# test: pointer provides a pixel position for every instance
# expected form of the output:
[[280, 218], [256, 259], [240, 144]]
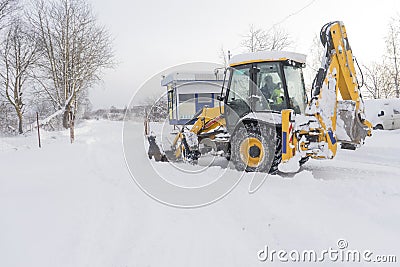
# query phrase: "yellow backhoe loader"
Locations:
[[266, 122]]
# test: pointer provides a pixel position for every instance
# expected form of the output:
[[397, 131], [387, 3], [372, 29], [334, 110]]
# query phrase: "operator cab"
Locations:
[[267, 81]]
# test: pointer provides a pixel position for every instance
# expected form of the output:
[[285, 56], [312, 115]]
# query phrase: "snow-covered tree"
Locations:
[[76, 50], [393, 51], [155, 107], [7, 7], [18, 56], [378, 80], [7, 118]]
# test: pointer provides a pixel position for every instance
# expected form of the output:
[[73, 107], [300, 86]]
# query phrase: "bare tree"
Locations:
[[392, 48], [258, 39], [156, 107], [372, 80], [254, 40], [313, 61], [224, 56], [278, 39], [19, 53], [76, 50], [378, 80], [315, 54], [7, 7], [7, 120]]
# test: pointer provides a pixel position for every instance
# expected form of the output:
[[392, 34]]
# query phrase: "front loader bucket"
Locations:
[[155, 151], [351, 131]]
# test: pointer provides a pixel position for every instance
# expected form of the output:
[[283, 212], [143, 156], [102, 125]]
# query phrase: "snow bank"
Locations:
[[95, 215]]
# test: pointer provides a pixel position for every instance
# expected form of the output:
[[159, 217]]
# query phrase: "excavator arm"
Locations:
[[335, 113], [338, 71]]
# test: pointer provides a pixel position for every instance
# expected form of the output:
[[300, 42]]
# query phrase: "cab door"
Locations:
[[237, 97]]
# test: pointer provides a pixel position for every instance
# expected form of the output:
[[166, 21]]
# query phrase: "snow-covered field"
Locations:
[[77, 205]]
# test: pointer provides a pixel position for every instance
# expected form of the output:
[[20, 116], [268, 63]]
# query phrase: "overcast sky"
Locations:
[[150, 36]]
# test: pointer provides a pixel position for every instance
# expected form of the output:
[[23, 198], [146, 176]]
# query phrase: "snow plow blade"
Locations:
[[155, 151], [208, 122]]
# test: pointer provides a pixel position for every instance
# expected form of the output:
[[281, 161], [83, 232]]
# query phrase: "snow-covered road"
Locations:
[[77, 205]]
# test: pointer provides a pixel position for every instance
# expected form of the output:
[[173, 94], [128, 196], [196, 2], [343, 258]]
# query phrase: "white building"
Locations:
[[188, 93]]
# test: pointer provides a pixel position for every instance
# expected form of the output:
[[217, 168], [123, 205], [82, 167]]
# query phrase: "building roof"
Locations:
[[266, 56], [192, 76]]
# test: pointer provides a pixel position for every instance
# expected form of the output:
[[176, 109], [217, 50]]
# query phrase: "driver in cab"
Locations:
[[272, 91]]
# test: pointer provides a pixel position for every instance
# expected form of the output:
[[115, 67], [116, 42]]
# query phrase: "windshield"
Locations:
[[296, 88]]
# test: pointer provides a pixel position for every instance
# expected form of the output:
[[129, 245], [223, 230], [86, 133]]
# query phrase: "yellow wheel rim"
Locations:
[[252, 152]]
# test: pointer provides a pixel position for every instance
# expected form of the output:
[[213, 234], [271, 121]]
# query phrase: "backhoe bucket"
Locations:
[[351, 131]]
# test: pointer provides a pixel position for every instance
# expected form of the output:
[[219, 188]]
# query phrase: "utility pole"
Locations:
[[38, 128]]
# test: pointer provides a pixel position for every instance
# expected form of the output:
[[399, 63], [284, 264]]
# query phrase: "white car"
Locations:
[[384, 114]]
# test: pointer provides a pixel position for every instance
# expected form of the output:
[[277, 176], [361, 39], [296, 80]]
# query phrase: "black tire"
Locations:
[[378, 127], [228, 152], [303, 161], [267, 160], [278, 154]]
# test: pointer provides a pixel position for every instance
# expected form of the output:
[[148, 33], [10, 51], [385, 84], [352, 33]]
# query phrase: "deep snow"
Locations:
[[77, 205]]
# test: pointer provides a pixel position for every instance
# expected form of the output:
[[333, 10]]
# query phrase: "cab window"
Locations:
[[296, 88]]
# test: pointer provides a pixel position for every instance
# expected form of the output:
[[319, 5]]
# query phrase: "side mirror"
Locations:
[[382, 113]]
